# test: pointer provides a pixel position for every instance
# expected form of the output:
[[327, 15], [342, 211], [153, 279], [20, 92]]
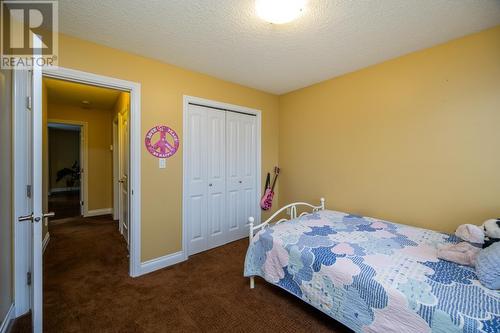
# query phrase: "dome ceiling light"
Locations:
[[279, 11]]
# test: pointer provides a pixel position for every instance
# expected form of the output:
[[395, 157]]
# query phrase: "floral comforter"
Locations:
[[373, 275]]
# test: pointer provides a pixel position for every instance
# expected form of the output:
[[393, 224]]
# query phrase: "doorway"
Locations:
[[26, 125], [66, 159]]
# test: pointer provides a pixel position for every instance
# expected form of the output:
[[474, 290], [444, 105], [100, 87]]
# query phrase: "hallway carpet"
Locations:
[[87, 289], [65, 204]]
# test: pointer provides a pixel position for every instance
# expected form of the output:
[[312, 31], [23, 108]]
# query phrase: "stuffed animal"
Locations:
[[470, 233], [473, 236], [491, 229], [462, 253]]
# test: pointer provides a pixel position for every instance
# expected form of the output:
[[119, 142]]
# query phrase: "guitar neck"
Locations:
[[274, 181]]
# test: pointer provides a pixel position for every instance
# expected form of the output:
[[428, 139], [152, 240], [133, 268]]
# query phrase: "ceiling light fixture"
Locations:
[[279, 11], [86, 104]]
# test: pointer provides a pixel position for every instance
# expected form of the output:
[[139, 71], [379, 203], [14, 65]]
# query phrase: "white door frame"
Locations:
[[22, 236], [84, 153], [225, 106], [116, 187]]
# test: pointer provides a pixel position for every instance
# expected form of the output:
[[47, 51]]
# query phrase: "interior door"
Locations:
[[196, 194], [216, 178], [37, 215], [241, 172], [124, 172], [248, 173]]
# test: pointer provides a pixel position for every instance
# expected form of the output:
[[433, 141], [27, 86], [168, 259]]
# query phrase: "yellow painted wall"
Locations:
[[414, 140], [64, 151], [100, 158], [162, 87]]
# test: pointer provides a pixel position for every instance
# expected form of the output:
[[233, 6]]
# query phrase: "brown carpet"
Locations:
[[87, 289]]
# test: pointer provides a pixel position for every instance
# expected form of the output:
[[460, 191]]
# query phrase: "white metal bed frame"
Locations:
[[293, 215]]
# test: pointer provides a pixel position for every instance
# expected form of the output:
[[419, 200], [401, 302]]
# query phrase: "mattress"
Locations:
[[373, 275]]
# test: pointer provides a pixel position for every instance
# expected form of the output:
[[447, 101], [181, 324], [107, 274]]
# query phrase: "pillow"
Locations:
[[488, 266]]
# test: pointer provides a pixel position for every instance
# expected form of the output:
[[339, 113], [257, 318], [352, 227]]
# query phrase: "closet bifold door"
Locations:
[[241, 158], [216, 177], [196, 213]]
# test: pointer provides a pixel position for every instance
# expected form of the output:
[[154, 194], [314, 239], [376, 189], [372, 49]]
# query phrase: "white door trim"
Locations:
[[116, 188], [231, 107], [84, 153], [134, 89]]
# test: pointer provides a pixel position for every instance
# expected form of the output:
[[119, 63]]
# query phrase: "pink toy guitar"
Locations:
[[267, 200]]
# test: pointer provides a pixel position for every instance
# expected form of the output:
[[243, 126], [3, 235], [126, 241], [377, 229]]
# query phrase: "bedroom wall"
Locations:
[[413, 140], [100, 157], [163, 87]]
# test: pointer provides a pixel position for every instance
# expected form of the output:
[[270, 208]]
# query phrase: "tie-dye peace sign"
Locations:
[[167, 143]]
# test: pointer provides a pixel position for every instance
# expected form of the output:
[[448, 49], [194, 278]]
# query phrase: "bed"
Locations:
[[369, 274]]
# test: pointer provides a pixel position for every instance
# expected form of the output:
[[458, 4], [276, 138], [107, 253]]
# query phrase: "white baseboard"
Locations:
[[11, 314], [45, 242], [97, 212], [162, 262]]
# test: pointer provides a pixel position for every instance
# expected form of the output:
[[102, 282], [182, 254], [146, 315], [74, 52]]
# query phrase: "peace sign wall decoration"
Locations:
[[163, 145]]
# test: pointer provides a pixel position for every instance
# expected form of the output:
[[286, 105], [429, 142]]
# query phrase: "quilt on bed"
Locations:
[[373, 275]]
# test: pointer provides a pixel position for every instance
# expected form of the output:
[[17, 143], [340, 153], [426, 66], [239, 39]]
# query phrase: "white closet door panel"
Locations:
[[216, 178], [248, 170], [233, 142], [197, 181], [241, 159], [197, 224], [233, 179], [232, 212]]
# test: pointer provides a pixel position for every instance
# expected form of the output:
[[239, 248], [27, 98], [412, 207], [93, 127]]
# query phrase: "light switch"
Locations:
[[163, 163]]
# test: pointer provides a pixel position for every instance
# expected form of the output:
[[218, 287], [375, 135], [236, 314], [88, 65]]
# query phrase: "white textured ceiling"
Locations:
[[225, 39]]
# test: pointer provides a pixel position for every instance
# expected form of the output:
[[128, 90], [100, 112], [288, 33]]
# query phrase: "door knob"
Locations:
[[210, 184], [31, 217], [25, 218], [240, 181]]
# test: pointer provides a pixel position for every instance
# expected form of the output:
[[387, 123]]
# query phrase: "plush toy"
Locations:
[[473, 236], [491, 229], [462, 253], [470, 233]]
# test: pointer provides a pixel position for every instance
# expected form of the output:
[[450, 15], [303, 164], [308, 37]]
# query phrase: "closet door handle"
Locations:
[[210, 184], [240, 181]]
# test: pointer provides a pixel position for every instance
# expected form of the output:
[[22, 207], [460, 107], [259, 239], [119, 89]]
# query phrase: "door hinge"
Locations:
[[28, 191], [29, 95], [28, 278]]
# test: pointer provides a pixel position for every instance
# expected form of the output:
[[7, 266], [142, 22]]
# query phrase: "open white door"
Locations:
[[35, 169], [123, 137], [36, 163]]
